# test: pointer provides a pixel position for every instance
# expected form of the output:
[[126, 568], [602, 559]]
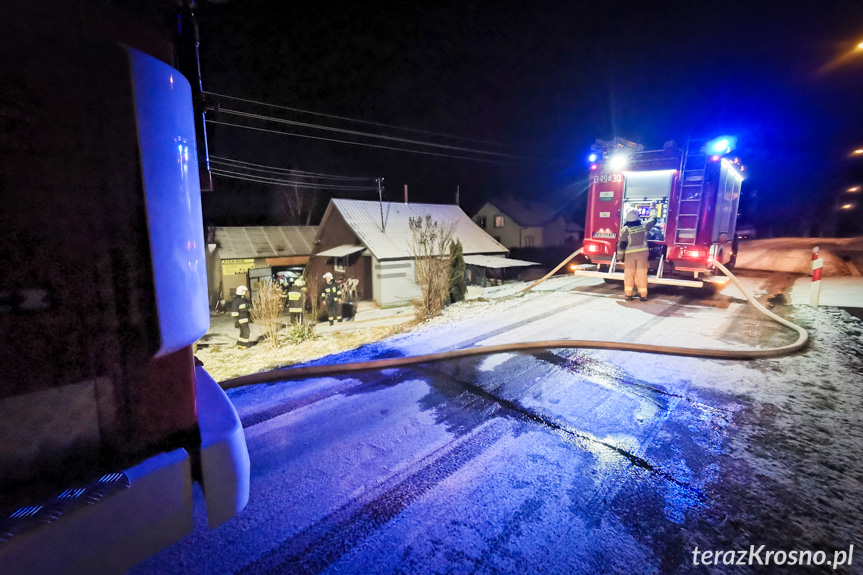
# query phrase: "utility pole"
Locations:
[[456, 194], [406, 193], [381, 201]]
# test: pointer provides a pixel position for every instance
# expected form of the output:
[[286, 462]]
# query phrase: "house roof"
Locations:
[[526, 213], [364, 219], [265, 242], [496, 262]]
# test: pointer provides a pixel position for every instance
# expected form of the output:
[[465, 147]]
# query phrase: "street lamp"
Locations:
[[854, 189]]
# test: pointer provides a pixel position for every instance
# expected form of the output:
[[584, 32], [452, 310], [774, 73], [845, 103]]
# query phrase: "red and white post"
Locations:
[[815, 290]]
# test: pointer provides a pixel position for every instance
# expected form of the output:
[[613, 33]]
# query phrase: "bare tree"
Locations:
[[296, 202], [430, 247]]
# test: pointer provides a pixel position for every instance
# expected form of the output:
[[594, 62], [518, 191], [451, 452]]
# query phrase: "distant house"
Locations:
[[242, 255], [369, 241], [517, 224]]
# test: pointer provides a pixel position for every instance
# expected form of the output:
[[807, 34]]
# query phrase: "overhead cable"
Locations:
[[371, 135], [266, 180], [357, 121], [282, 171], [487, 161]]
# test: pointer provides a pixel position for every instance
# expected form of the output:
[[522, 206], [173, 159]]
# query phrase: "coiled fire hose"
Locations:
[[287, 373]]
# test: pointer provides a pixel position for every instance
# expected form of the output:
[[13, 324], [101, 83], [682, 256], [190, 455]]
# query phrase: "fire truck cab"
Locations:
[[695, 191]]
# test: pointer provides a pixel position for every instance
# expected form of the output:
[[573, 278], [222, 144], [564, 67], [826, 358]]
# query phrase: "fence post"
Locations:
[[815, 290]]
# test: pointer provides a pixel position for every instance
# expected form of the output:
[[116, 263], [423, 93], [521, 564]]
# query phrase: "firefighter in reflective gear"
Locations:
[[295, 301], [632, 250], [242, 316], [332, 295]]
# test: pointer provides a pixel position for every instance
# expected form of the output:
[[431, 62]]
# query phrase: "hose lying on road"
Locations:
[[286, 373]]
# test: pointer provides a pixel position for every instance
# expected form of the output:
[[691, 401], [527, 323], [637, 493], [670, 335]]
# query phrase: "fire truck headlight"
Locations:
[[618, 162]]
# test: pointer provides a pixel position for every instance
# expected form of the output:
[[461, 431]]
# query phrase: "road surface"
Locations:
[[565, 461]]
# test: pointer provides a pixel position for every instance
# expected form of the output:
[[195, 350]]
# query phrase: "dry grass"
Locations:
[[226, 361]]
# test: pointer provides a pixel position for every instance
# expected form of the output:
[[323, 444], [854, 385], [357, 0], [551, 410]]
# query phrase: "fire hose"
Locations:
[[303, 372]]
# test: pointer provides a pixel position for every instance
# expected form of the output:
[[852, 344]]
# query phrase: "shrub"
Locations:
[[430, 247], [266, 308], [457, 285]]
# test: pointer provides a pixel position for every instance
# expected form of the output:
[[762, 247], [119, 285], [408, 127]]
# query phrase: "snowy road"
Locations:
[[564, 461]]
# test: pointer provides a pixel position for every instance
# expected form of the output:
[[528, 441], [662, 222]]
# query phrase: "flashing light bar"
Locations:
[[721, 145]]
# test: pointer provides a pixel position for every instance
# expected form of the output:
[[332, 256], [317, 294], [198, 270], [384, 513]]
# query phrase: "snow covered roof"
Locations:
[[526, 213], [364, 219], [265, 242], [341, 251], [496, 262]]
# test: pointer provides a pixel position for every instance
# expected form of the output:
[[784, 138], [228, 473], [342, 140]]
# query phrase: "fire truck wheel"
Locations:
[[735, 245]]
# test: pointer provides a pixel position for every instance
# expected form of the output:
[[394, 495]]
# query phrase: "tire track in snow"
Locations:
[[323, 543]]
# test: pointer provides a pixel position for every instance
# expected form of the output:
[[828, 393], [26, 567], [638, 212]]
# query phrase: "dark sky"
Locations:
[[543, 80]]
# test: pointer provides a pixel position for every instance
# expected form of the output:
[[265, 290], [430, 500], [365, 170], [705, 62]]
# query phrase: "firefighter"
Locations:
[[242, 316], [332, 295], [632, 250], [295, 301]]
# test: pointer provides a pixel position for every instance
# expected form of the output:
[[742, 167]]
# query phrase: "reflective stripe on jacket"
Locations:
[[636, 236], [294, 304], [331, 292]]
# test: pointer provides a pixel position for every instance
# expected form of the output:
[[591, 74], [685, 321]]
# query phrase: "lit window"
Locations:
[[498, 221], [340, 264]]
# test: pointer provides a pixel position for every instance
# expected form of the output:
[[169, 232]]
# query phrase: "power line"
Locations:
[[370, 135], [283, 171], [267, 180], [358, 121], [359, 143]]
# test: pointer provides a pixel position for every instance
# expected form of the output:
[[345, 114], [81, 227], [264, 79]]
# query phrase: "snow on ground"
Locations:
[[761, 452]]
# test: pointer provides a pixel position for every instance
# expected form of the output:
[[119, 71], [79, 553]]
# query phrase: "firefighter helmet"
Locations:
[[632, 216], [328, 276], [299, 282], [242, 290]]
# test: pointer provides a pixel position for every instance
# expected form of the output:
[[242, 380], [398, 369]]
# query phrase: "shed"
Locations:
[[369, 241], [242, 255]]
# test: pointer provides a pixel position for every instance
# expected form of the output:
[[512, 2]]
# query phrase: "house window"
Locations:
[[481, 221], [498, 221], [340, 265]]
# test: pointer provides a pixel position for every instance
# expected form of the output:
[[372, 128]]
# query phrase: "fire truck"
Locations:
[[106, 418], [695, 191]]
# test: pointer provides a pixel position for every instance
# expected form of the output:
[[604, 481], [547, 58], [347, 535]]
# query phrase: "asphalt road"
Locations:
[[565, 461]]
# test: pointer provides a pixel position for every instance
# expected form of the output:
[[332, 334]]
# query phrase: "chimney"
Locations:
[[406, 193]]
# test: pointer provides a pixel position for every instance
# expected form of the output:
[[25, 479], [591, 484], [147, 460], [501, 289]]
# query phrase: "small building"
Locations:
[[243, 255], [370, 242], [517, 224]]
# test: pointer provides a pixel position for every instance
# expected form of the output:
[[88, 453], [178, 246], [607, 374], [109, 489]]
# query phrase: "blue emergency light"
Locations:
[[721, 145]]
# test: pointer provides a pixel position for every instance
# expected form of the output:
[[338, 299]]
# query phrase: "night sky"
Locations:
[[540, 82]]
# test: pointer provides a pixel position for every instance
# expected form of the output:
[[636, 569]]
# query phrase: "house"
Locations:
[[369, 241], [517, 224], [242, 255]]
